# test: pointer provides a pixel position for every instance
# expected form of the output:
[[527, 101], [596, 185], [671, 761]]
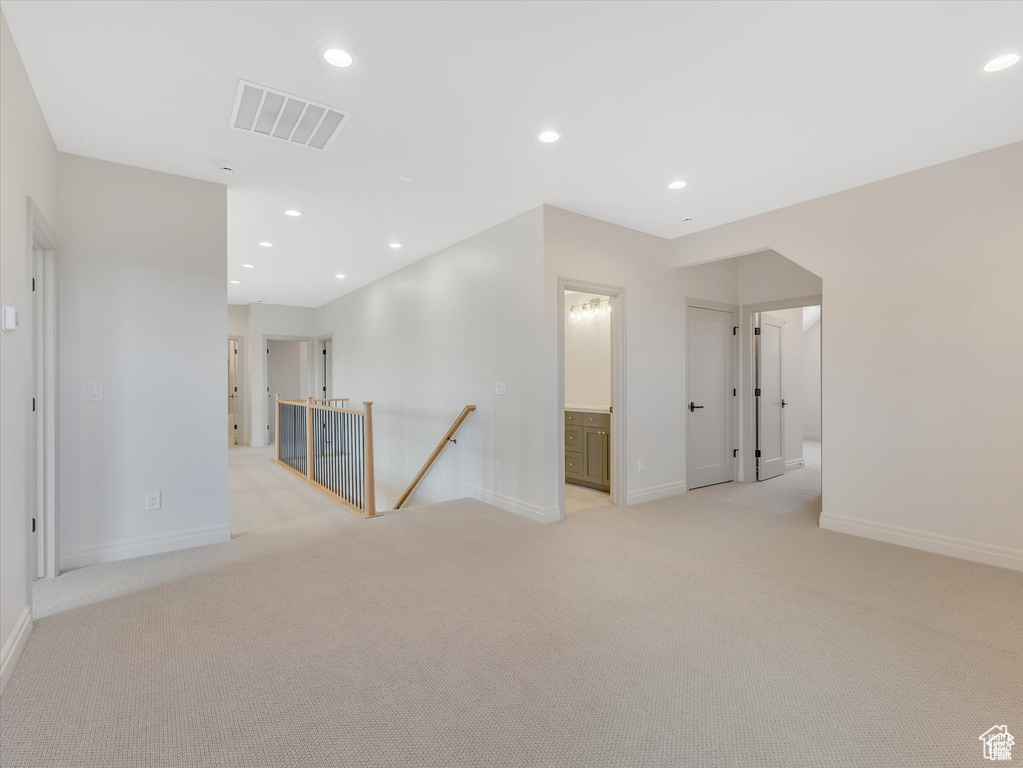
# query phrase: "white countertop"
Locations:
[[586, 409]]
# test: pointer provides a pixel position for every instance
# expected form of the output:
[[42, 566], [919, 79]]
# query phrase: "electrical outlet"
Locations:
[[498, 467], [95, 390], [642, 465], [152, 500], [501, 388]]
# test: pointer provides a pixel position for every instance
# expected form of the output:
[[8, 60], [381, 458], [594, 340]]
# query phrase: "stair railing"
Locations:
[[449, 437]]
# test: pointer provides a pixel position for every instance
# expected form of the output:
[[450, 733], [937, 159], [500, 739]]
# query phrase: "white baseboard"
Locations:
[[977, 551], [516, 506], [811, 435], [14, 645], [655, 492], [794, 464], [144, 545]]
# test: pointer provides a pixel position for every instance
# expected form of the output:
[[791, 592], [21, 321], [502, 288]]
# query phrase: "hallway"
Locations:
[[265, 495], [714, 627]]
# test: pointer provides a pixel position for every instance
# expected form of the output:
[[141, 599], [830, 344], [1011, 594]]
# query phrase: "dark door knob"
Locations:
[[693, 407], [783, 403]]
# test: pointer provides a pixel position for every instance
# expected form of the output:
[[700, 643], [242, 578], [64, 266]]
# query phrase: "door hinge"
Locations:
[[33, 525], [756, 331], [324, 351], [268, 350], [758, 453], [733, 391], [33, 285], [236, 389], [735, 330], [735, 452], [33, 405], [756, 392]]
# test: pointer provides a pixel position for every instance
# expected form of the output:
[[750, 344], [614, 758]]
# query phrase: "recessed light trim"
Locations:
[[677, 184], [340, 277], [549, 136], [235, 282], [337, 57], [249, 266], [292, 212], [999, 63], [396, 246], [266, 244]]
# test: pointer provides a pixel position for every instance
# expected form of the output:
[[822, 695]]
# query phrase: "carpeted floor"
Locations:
[[720, 628]]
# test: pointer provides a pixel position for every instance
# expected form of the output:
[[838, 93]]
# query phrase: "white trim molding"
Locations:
[[794, 464], [965, 549], [14, 645], [145, 545], [656, 492], [517, 506]]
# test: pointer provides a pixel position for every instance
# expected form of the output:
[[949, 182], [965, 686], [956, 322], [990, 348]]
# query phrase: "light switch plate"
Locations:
[[153, 500], [501, 388], [95, 390], [10, 319], [642, 465]]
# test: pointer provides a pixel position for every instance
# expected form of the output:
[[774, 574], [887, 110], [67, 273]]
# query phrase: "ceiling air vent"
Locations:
[[258, 109]]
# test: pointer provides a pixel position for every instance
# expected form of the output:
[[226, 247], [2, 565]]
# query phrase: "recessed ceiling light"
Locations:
[[549, 137], [235, 282], [340, 277], [1001, 62], [395, 245], [676, 184], [267, 245], [406, 179], [336, 57], [292, 212], [249, 266]]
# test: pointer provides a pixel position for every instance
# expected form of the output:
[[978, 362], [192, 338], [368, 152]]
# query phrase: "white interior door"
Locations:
[[232, 392], [769, 396], [325, 368], [710, 382], [284, 373]]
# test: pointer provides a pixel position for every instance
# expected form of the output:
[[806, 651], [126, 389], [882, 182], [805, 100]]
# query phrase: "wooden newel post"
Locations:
[[369, 488], [309, 437], [277, 427]]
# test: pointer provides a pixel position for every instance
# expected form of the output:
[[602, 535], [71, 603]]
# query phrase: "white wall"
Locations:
[[28, 168], [435, 336], [580, 248], [904, 462], [769, 276], [270, 321], [587, 356], [143, 309], [812, 382]]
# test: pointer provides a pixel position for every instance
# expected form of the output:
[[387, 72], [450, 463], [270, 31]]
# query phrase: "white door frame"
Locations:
[[734, 411], [268, 414], [618, 458], [41, 348], [243, 424], [747, 462]]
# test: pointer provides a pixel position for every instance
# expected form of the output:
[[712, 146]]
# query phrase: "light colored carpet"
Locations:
[[721, 628]]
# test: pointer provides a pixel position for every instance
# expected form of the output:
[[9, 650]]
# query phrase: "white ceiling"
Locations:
[[757, 105]]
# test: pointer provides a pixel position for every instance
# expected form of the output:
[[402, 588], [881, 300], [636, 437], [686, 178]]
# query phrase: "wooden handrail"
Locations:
[[436, 452]]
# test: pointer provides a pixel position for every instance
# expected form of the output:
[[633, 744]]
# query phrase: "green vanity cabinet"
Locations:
[[588, 449]]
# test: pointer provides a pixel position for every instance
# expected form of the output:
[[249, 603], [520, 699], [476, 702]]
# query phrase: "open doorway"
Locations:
[[41, 432], [784, 417], [234, 416], [324, 367], [588, 352], [287, 375]]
